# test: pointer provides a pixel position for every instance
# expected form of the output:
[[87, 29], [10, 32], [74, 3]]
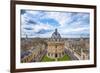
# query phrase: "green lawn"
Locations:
[[46, 59], [64, 58]]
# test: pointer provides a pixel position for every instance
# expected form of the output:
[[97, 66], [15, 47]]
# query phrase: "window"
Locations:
[[55, 46]]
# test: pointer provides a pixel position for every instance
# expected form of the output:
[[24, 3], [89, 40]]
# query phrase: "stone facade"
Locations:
[[79, 48]]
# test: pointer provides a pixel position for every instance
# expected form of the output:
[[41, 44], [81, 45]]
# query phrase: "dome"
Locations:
[[56, 35]]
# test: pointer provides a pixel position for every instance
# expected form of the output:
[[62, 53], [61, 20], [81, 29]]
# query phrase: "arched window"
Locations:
[[56, 55], [48, 54]]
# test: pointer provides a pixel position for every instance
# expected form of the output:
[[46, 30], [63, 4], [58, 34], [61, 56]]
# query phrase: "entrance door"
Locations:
[[56, 55]]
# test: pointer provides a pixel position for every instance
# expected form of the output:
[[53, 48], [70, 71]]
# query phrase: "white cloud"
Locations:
[[32, 12], [73, 30], [66, 21], [61, 18]]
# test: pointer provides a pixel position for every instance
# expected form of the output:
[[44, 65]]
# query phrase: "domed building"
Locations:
[[55, 46]]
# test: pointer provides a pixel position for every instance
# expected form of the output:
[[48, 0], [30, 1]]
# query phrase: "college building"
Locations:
[[54, 47]]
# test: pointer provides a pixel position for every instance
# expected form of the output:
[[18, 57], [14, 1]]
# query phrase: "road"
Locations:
[[71, 54]]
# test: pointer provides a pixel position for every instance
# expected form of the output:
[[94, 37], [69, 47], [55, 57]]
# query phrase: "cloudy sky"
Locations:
[[43, 23]]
